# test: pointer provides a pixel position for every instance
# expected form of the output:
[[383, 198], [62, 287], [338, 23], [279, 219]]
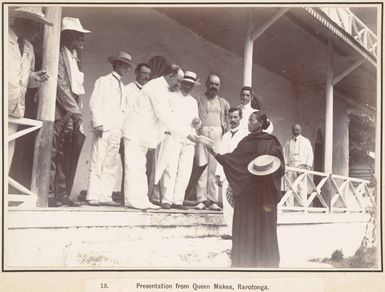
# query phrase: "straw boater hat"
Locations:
[[264, 165], [34, 13], [190, 77], [71, 23], [122, 57]]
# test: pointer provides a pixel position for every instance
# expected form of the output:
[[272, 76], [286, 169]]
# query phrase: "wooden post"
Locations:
[[248, 51], [328, 161], [46, 107]]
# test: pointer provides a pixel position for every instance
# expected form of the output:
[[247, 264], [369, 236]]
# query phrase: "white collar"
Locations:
[[140, 86], [235, 129]]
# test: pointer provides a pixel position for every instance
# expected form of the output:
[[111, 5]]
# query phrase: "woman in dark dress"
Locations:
[[254, 236]]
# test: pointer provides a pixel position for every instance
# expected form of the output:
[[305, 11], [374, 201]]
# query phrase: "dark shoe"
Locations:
[[180, 207], [117, 197], [83, 196], [72, 203], [110, 204], [226, 237], [166, 206], [54, 204]]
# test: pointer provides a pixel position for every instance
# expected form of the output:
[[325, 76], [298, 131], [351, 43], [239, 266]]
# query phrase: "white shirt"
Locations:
[[107, 102], [152, 115], [20, 74], [77, 77], [185, 109], [247, 110], [298, 151], [132, 90], [230, 141]]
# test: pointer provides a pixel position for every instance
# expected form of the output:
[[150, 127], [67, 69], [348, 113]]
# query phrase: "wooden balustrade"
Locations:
[[349, 22], [331, 193]]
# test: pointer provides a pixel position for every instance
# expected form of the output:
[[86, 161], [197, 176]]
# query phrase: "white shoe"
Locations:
[[200, 206], [143, 206], [214, 207]]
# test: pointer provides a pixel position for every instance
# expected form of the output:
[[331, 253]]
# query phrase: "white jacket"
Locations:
[[108, 102]]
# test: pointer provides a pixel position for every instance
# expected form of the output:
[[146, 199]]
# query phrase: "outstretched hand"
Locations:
[[41, 76]]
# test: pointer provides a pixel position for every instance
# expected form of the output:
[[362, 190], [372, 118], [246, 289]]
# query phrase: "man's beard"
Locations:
[[211, 93]]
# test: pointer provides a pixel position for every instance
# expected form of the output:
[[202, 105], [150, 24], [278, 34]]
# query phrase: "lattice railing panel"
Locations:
[[332, 193]]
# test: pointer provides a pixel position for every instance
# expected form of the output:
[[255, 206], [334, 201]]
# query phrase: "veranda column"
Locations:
[[46, 107], [248, 51], [328, 158]]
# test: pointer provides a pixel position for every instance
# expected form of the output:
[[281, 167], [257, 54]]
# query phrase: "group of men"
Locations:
[[131, 119]]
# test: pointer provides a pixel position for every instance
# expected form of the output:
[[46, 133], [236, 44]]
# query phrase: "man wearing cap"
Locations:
[[108, 105], [151, 117], [21, 64], [250, 104], [178, 151], [68, 137], [298, 153], [213, 112]]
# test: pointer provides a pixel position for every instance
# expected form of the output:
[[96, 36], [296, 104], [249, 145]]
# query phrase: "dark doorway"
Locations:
[[318, 154]]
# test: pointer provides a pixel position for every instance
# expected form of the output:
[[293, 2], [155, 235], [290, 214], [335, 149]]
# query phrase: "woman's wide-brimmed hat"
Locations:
[[122, 57], [34, 13], [72, 23], [264, 165]]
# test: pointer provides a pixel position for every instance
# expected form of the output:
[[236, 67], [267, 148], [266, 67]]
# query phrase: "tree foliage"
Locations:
[[362, 132]]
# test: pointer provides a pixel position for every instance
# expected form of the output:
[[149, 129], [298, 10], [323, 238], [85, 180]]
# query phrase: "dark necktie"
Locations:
[[121, 90], [21, 45], [233, 133]]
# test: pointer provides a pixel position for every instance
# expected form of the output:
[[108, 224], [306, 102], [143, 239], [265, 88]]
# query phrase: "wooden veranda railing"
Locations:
[[313, 191], [27, 196], [349, 22]]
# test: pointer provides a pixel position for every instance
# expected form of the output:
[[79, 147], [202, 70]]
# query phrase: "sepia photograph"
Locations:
[[192, 137]]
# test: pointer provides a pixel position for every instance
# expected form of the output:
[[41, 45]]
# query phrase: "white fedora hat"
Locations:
[[71, 23], [122, 57], [264, 165], [34, 13], [190, 77]]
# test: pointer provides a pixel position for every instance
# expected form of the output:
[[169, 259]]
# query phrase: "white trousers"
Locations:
[[104, 164], [12, 129], [301, 188], [135, 178], [206, 186], [228, 211], [176, 176]]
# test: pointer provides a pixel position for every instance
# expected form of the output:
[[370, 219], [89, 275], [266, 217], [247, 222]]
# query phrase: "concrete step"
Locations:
[[113, 238]]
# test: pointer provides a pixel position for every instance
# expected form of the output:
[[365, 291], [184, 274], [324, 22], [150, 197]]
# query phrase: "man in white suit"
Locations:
[[229, 142], [177, 152], [150, 118], [298, 153], [108, 105]]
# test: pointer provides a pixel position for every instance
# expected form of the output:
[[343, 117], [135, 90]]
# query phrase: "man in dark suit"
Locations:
[[68, 135]]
